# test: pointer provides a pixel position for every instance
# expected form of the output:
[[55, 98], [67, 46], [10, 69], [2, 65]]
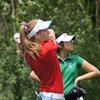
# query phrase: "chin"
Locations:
[[46, 39]]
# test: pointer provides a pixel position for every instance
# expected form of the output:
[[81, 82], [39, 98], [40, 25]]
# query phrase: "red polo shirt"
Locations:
[[47, 67]]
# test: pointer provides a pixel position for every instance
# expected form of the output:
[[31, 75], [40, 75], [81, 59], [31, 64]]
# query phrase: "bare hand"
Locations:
[[77, 81]]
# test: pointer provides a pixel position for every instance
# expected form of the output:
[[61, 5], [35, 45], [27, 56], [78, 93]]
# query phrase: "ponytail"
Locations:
[[29, 46]]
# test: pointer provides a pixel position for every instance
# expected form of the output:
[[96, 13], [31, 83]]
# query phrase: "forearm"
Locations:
[[18, 45], [89, 75], [19, 50], [92, 71], [52, 35]]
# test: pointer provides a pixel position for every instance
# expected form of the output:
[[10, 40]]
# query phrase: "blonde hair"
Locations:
[[29, 45]]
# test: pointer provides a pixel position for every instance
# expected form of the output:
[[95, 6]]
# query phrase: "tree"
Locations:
[[71, 16]]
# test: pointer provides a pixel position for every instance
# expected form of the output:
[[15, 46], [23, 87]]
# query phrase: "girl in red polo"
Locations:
[[40, 53]]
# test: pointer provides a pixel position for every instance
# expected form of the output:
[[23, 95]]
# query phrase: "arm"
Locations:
[[36, 81], [34, 76], [18, 45], [19, 51], [52, 35], [92, 72]]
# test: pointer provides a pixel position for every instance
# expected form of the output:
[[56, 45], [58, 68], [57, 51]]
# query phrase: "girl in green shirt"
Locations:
[[70, 65]]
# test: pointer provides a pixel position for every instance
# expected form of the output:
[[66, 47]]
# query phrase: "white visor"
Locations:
[[17, 37], [40, 25], [65, 38]]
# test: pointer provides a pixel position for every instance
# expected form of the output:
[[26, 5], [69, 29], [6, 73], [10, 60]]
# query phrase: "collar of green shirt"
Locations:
[[69, 56]]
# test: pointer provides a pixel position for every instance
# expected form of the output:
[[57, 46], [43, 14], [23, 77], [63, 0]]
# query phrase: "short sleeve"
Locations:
[[80, 61]]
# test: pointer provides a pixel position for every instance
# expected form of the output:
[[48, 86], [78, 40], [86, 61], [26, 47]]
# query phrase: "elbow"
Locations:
[[97, 73]]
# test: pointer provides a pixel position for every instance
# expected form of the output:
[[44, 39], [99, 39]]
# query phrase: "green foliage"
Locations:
[[71, 16]]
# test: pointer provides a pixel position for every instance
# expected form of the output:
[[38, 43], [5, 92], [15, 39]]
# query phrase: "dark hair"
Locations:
[[58, 34]]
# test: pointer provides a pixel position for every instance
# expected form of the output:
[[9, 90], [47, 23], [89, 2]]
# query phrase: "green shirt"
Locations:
[[70, 68]]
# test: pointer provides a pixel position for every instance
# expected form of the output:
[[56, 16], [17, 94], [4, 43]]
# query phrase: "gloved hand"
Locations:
[[17, 38]]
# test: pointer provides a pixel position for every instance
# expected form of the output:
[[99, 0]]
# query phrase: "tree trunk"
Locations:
[[97, 13], [13, 15], [98, 19]]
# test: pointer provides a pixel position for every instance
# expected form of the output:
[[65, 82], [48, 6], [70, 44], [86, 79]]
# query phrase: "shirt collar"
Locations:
[[67, 57]]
